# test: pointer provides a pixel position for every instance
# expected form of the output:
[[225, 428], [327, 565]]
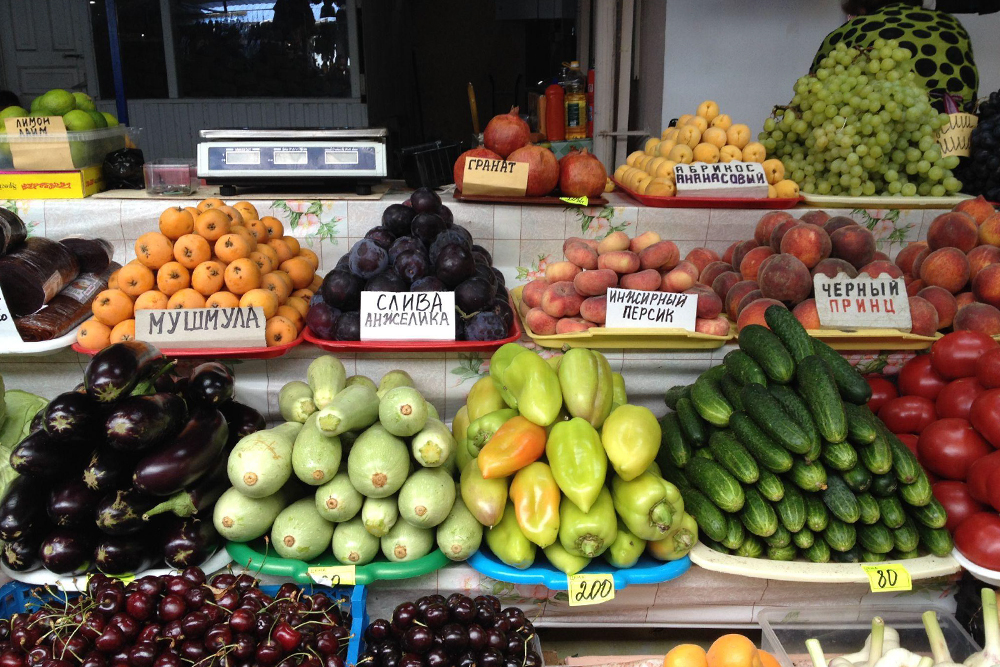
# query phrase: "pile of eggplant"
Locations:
[[121, 474]]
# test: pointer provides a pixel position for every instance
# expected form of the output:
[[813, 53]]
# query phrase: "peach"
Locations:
[[681, 277], [818, 218], [523, 308], [854, 244], [540, 322], [879, 267], [964, 299], [754, 313], [581, 254], [981, 317], [561, 300], [663, 255], [832, 267], [718, 326], [986, 286], [947, 268], [980, 257], [779, 232], [643, 241], [924, 317], [785, 278], [732, 299], [594, 309], [575, 239], [766, 225], [978, 209], [644, 281], [709, 303], [806, 314], [712, 271], [572, 325], [619, 261], [613, 242], [904, 260], [944, 303], [595, 283], [989, 230], [810, 243], [751, 262], [954, 230], [747, 299], [558, 272], [727, 256], [879, 255], [740, 251], [914, 286], [838, 222], [702, 257], [724, 282], [917, 261], [532, 293]]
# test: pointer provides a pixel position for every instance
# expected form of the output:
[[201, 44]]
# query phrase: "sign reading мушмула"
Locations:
[[862, 303], [407, 316], [637, 309], [721, 180], [217, 328]]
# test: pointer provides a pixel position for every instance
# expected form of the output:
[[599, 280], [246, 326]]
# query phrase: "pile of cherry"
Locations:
[[179, 620], [453, 632]]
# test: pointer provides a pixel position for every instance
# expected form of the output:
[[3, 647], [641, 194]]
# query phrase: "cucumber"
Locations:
[[675, 393], [261, 462], [869, 509], [767, 350], [766, 451], [797, 409], [768, 414], [858, 479], [710, 519], [815, 452], [839, 535], [326, 378], [808, 476], [804, 538], [917, 494], [785, 553], [790, 331], [674, 449], [295, 402], [752, 547], [840, 501], [853, 388], [906, 537], [936, 540], [876, 538], [905, 555], [840, 456], [733, 456], [770, 485], [300, 533], [461, 534], [238, 518], [877, 456], [704, 453], [932, 514], [743, 369], [818, 552], [792, 510], [861, 428], [816, 386], [338, 500], [884, 486], [710, 402], [731, 390], [892, 511], [817, 515], [735, 532], [352, 544], [852, 555], [712, 479], [693, 427], [779, 538], [714, 546], [354, 408], [315, 457], [871, 557], [674, 475], [757, 514], [714, 373], [904, 463]]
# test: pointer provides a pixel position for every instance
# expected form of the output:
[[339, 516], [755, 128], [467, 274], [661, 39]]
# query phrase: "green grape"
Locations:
[[952, 184], [909, 190], [923, 166], [938, 190], [935, 173], [868, 188], [895, 187], [769, 125], [924, 189], [950, 162], [891, 175]]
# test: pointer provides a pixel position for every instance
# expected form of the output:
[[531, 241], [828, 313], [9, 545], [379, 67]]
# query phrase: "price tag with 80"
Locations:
[[333, 575], [586, 589], [888, 577]]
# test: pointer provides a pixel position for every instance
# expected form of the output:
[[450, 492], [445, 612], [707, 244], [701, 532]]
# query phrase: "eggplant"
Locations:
[[242, 419], [21, 508], [20, 555], [120, 512], [200, 497], [143, 422], [72, 416], [120, 555], [188, 458], [43, 457], [170, 383], [72, 503], [37, 422], [117, 369], [189, 542], [67, 551], [210, 384], [107, 470]]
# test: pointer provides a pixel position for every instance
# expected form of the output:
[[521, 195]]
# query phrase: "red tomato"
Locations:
[[988, 369], [955, 355], [957, 502], [978, 538], [955, 400], [909, 440], [979, 475], [882, 391], [992, 490], [918, 378], [985, 415], [949, 446], [908, 414]]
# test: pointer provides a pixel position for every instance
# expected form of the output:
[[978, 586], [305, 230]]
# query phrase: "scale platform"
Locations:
[[334, 159]]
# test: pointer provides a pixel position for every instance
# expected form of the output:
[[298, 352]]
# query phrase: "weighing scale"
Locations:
[[328, 159]]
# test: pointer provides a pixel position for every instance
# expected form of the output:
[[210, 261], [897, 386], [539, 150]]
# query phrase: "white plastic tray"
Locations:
[[40, 348], [991, 577], [897, 201]]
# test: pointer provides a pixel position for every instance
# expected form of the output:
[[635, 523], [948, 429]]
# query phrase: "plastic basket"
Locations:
[[429, 165]]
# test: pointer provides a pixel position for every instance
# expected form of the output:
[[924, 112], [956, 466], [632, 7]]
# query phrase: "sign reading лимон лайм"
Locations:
[[407, 316], [216, 328], [862, 303], [637, 309], [721, 180]]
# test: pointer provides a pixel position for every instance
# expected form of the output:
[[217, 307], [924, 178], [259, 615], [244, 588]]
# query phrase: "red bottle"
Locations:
[[555, 128]]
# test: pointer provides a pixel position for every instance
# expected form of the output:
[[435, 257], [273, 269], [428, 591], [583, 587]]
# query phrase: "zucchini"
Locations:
[[877, 456], [709, 518], [905, 555], [779, 538], [693, 427], [785, 553], [766, 451], [752, 547], [817, 515], [892, 511], [839, 535], [804, 538], [932, 514], [676, 393], [884, 486], [743, 369], [853, 388], [790, 331], [904, 462], [840, 501], [770, 485], [858, 479], [861, 428], [936, 540], [714, 546], [839, 455], [816, 386], [733, 456], [919, 493], [768, 414], [871, 557], [731, 390], [735, 532], [710, 402], [906, 537], [815, 452], [797, 409], [852, 555], [792, 509], [715, 482], [869, 509], [808, 476], [818, 552], [757, 514], [674, 449], [876, 538], [767, 350]]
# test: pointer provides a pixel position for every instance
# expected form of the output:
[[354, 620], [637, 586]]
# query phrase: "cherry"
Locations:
[[94, 659], [288, 591], [173, 630], [514, 616], [437, 658], [192, 650], [496, 639], [149, 633], [149, 585], [404, 615], [477, 637], [268, 653], [327, 644], [217, 636], [53, 662], [417, 639], [128, 625], [436, 615], [195, 597], [245, 582], [242, 620], [287, 636], [244, 646], [142, 654], [38, 655], [110, 600], [515, 648], [167, 659], [194, 574], [490, 657], [532, 660], [178, 585], [410, 660], [455, 638], [172, 607], [467, 659], [92, 626], [229, 600], [110, 640], [195, 624], [263, 623], [337, 661]]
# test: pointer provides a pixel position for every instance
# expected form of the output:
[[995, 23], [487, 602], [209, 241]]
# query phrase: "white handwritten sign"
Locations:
[[956, 138], [862, 303], [407, 316], [636, 309], [494, 177], [722, 180], [217, 328], [8, 332]]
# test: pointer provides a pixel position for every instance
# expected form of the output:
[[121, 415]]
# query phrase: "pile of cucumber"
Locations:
[[778, 456], [357, 467]]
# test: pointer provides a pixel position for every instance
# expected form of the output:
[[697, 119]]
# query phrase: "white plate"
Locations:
[[991, 577], [41, 348], [894, 201]]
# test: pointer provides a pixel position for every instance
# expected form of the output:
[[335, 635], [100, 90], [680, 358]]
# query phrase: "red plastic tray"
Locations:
[[709, 202], [547, 200], [220, 353]]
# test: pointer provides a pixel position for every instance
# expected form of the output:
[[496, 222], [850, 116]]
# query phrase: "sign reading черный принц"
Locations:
[[862, 303]]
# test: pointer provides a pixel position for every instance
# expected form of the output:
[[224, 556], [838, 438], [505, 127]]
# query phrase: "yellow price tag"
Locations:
[[579, 201], [332, 575], [888, 577], [126, 578], [586, 589]]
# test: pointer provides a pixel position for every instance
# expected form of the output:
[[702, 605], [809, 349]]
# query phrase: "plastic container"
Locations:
[[429, 165], [86, 148], [843, 630], [170, 177], [873, 339]]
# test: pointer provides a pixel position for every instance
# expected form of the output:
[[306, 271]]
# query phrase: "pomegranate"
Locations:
[[506, 133], [459, 169], [581, 175], [543, 169]]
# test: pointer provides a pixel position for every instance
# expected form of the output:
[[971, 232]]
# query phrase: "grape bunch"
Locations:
[[862, 125], [980, 174]]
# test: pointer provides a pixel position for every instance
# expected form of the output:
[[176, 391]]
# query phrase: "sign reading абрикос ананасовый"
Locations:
[[638, 309], [407, 316], [723, 180]]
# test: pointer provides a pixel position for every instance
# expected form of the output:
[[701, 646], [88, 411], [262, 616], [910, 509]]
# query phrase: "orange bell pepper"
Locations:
[[514, 445], [536, 497]]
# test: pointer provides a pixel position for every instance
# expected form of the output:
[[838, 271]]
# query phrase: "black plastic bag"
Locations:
[[123, 170]]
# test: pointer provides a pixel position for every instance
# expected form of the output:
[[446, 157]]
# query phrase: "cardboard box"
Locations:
[[51, 184]]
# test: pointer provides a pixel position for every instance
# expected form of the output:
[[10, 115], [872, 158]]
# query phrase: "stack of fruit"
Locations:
[[776, 456], [417, 248], [400, 466], [980, 174], [540, 435], [131, 443], [708, 136], [212, 256], [77, 110]]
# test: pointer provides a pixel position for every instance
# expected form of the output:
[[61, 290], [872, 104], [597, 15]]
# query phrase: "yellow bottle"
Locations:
[[575, 102]]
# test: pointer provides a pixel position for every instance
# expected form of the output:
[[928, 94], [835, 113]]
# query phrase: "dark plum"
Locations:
[[397, 218], [486, 325], [428, 284], [381, 236], [446, 215], [404, 244], [427, 226], [486, 273], [505, 313], [342, 289], [411, 265], [368, 259], [446, 238], [322, 320], [473, 295], [501, 281], [454, 265], [387, 281], [425, 200], [467, 659], [480, 250], [343, 264]]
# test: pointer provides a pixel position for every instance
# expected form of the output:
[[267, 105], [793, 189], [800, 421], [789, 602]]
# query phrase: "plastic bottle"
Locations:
[[576, 102], [555, 130]]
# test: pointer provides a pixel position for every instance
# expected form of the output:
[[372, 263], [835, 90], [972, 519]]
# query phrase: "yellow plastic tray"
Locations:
[[599, 338], [873, 339]]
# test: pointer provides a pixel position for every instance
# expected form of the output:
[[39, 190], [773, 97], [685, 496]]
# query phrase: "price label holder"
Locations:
[[408, 316], [637, 309], [576, 201], [8, 332], [39, 143], [333, 575], [588, 589], [201, 327], [499, 178], [956, 139], [888, 578], [862, 303]]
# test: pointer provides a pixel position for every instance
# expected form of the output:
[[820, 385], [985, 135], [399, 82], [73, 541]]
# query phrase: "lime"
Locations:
[[79, 121], [112, 121], [13, 112], [99, 120], [57, 102], [84, 102]]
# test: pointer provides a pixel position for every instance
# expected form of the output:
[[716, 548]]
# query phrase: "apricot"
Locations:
[[986, 286], [751, 262], [662, 255], [532, 293], [567, 325], [581, 254], [981, 317], [717, 326], [980, 257], [561, 300], [817, 217], [643, 241], [904, 260], [540, 323], [766, 225], [646, 281], [955, 230], [989, 230], [613, 242], [779, 232], [595, 283], [924, 317], [807, 315], [561, 271], [753, 313], [682, 277], [855, 244], [880, 267], [706, 152], [944, 303], [701, 257], [736, 294], [785, 278], [808, 242], [741, 250], [594, 309], [832, 267], [619, 261], [947, 268], [978, 209], [838, 222], [712, 271], [709, 303], [724, 282]]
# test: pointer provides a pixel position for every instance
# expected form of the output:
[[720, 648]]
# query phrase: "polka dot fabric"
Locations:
[[942, 50]]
